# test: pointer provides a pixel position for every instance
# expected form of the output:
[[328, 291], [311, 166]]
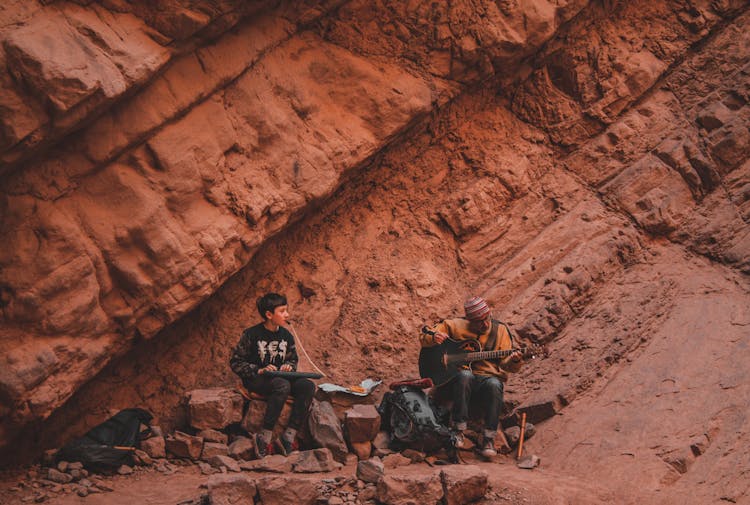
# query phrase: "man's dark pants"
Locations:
[[276, 390], [479, 390]]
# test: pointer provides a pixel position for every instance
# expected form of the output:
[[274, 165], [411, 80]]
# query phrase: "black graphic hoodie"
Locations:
[[259, 347]]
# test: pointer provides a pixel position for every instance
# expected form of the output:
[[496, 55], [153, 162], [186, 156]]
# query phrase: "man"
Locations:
[[484, 379], [267, 347]]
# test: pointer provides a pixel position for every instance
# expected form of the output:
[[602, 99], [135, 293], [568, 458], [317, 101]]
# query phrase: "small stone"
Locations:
[[414, 456], [125, 470], [370, 492], [62, 466], [56, 475], [205, 468], [335, 500], [529, 462], [142, 458], [82, 491], [370, 470], [395, 460], [76, 465], [215, 436]]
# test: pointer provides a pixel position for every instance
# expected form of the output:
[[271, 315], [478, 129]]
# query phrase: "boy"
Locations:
[[267, 347]]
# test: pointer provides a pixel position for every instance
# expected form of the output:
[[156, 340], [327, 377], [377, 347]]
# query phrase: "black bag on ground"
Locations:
[[109, 445], [413, 421]]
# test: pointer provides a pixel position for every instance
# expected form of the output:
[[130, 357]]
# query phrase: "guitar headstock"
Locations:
[[535, 351]]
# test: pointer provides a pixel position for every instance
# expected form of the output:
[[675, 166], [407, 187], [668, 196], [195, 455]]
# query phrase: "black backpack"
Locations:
[[414, 421], [110, 444]]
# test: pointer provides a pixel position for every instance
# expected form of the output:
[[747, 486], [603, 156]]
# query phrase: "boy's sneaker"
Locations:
[[460, 442], [261, 447], [285, 447], [488, 448]]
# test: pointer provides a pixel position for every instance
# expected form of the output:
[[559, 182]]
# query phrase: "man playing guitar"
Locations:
[[481, 379]]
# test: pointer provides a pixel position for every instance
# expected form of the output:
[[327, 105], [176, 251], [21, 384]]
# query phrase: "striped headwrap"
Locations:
[[476, 308]]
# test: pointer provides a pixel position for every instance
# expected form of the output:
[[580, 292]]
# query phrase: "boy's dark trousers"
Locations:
[[276, 390]]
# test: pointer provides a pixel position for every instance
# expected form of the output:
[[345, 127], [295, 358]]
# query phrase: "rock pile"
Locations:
[[213, 446]]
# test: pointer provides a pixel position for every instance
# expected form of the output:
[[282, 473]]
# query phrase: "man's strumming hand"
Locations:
[[439, 337]]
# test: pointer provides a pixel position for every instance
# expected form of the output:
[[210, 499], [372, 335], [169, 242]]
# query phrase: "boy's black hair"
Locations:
[[269, 302]]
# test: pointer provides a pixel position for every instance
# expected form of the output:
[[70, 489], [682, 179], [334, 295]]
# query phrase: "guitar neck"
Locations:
[[468, 357]]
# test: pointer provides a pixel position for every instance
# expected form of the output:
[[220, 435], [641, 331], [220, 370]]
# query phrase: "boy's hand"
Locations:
[[286, 367], [267, 368]]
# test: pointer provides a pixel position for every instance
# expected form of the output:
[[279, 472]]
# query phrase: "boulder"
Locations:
[[317, 460], [211, 449], [362, 423], [214, 408], [227, 489], [286, 490], [325, 429], [242, 448], [154, 447], [382, 441], [223, 461], [182, 445], [363, 450], [410, 489], [275, 463], [463, 484]]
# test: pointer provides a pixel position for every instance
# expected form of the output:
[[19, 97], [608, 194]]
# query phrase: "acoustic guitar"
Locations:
[[442, 362]]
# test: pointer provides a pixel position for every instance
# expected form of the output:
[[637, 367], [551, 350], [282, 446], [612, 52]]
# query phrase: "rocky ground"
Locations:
[[182, 482]]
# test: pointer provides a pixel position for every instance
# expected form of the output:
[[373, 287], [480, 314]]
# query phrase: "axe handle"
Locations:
[[523, 432]]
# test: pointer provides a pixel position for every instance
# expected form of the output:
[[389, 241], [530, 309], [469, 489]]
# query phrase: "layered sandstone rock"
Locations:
[[189, 153]]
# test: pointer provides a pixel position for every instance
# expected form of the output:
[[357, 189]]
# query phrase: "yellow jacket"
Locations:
[[458, 329]]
